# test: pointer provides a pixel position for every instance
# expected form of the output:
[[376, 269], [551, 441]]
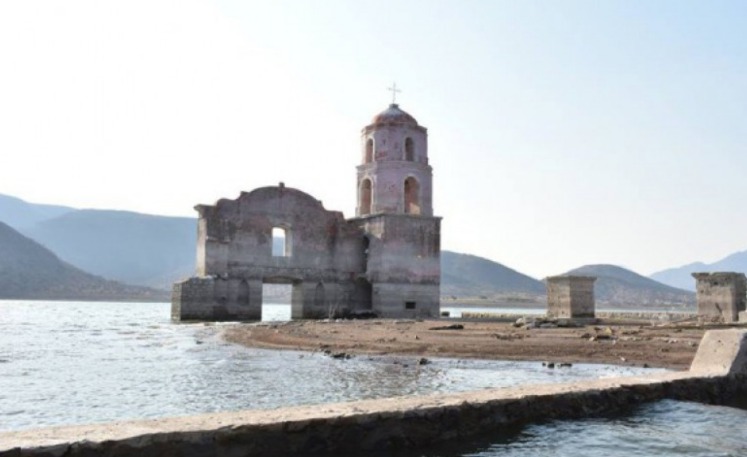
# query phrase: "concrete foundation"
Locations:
[[721, 296], [719, 372], [570, 296], [722, 352]]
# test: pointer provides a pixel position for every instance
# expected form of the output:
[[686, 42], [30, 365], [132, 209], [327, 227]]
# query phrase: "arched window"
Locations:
[[319, 296], [412, 196], [369, 151], [365, 204], [243, 294], [281, 242], [409, 150]]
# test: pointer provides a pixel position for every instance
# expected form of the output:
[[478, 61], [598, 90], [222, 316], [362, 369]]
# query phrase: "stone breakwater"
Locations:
[[718, 373]]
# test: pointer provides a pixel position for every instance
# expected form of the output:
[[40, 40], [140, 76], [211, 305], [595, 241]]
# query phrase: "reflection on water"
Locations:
[[275, 312], [64, 363]]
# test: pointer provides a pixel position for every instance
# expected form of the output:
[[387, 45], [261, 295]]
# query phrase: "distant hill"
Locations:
[[681, 277], [472, 276], [134, 248], [20, 214], [156, 251], [30, 271], [619, 286]]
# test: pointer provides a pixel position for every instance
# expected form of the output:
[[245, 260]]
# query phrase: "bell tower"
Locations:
[[394, 176], [402, 247]]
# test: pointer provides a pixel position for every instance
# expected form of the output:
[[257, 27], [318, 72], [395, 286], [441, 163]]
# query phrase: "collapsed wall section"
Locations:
[[318, 253]]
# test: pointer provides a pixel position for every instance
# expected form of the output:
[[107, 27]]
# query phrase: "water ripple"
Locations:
[[97, 362]]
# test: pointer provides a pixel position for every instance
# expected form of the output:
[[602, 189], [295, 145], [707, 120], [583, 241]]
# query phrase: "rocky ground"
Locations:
[[667, 346]]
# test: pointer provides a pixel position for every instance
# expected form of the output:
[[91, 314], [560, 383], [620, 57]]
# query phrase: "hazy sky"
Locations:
[[561, 133]]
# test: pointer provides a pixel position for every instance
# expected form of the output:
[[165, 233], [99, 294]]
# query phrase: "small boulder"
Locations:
[[449, 327]]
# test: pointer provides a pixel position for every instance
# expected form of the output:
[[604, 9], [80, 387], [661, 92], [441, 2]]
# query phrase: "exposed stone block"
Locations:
[[570, 296], [722, 352], [721, 295]]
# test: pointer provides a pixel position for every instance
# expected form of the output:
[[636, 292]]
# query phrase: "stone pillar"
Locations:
[[298, 304], [721, 295], [193, 299], [570, 296], [255, 299]]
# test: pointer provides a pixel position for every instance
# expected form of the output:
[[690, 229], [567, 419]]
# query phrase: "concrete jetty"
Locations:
[[718, 373]]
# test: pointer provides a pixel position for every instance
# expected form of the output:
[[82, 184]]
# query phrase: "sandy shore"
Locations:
[[642, 345]]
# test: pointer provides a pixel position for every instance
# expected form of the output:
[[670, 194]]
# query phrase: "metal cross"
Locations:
[[394, 91]]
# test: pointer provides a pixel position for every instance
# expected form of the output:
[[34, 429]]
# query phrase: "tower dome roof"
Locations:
[[393, 115]]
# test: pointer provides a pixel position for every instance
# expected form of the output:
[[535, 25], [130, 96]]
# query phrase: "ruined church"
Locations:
[[386, 259]]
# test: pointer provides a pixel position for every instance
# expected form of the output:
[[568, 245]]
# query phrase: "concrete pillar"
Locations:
[[721, 295], [298, 305], [570, 296], [255, 299], [722, 352]]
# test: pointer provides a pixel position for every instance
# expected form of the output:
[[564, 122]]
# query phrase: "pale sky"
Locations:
[[561, 133]]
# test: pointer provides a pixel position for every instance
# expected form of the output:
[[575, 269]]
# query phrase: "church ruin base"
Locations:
[[218, 299]]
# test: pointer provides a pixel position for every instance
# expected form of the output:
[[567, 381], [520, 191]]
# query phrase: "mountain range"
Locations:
[[31, 271], [682, 276], [621, 287], [466, 275], [20, 214], [155, 251], [152, 251]]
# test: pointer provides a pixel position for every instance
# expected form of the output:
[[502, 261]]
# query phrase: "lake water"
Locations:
[[664, 429], [71, 363], [456, 311]]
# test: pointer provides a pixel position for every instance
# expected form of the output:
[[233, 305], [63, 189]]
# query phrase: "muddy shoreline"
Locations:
[[670, 346]]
